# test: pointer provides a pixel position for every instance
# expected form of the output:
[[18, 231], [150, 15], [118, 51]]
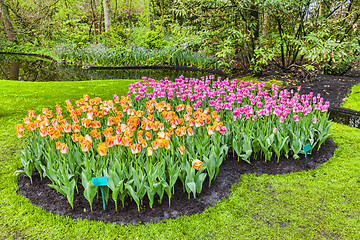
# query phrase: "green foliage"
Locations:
[[78, 39], [115, 37], [335, 52], [153, 39]]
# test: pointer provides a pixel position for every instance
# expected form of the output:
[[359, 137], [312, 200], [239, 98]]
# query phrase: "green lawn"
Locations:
[[353, 101], [320, 204]]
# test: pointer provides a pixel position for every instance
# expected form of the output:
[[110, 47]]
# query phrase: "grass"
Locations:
[[319, 204], [353, 101]]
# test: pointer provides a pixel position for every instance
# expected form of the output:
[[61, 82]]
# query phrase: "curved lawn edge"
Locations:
[[353, 101], [320, 203]]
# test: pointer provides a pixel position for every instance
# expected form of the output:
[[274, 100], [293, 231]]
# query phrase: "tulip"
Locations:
[[117, 140], [110, 141], [148, 136], [76, 128], [135, 148], [210, 130], [19, 134], [181, 150], [19, 127], [102, 148], [32, 113], [85, 146], [63, 148], [149, 151], [314, 120], [58, 144], [155, 144], [43, 132], [197, 164]]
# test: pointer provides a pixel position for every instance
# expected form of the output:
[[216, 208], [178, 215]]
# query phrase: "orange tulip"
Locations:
[[102, 148], [85, 146], [95, 124], [19, 134], [74, 118], [126, 141], [63, 148], [197, 164], [117, 140], [191, 122], [32, 113], [43, 132], [108, 131], [148, 135], [188, 110], [208, 119], [66, 128], [135, 148], [140, 113], [155, 144], [199, 122], [144, 143], [86, 122], [76, 128], [74, 137], [190, 131], [210, 130], [110, 141], [95, 134], [181, 150], [30, 126], [27, 120], [161, 134], [48, 114], [19, 127], [149, 151], [58, 144], [180, 107]]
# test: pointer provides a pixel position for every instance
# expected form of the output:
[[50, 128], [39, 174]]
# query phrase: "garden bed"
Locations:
[[230, 173]]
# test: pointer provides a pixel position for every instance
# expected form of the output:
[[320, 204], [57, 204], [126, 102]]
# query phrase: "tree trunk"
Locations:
[[14, 72], [9, 29], [106, 7], [265, 23]]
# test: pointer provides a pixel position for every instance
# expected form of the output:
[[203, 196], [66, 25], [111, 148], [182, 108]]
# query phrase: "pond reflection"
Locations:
[[345, 119], [36, 69]]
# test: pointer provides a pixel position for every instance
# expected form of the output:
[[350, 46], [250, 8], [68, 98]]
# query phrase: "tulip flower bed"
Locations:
[[164, 131]]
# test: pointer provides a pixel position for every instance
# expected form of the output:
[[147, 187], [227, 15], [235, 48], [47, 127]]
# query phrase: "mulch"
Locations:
[[332, 88], [40, 194]]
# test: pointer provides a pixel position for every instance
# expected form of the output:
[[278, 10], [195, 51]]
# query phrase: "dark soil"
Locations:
[[39, 193], [332, 88]]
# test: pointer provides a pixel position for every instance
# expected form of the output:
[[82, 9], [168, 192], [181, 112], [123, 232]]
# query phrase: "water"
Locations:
[[36, 69], [345, 119]]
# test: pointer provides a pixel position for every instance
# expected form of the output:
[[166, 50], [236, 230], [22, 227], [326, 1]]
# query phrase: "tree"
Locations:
[[9, 29], [107, 20]]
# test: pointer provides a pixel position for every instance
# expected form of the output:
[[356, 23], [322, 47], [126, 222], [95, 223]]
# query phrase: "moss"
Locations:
[[353, 101], [268, 83], [317, 204]]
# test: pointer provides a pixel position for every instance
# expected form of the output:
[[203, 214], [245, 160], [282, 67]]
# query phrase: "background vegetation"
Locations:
[[228, 34]]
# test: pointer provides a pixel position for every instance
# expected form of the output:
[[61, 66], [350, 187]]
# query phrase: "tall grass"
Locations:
[[133, 55]]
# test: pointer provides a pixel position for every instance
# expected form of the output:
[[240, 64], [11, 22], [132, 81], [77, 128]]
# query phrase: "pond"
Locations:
[[37, 69], [344, 118]]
